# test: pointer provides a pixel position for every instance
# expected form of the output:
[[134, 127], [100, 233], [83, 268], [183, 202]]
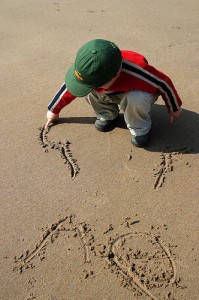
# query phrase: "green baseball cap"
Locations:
[[96, 63]]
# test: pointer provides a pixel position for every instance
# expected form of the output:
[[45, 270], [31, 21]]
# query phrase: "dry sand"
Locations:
[[85, 215]]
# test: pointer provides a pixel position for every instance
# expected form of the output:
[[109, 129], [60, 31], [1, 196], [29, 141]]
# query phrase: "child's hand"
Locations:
[[50, 118], [175, 114]]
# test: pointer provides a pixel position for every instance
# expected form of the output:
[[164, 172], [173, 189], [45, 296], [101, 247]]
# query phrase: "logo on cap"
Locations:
[[77, 74]]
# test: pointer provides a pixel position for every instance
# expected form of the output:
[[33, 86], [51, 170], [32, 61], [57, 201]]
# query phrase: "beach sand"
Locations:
[[84, 214]]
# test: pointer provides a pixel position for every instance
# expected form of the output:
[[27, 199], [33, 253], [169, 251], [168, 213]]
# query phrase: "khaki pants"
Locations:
[[135, 104]]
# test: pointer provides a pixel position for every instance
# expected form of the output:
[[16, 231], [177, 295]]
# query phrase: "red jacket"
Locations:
[[137, 74]]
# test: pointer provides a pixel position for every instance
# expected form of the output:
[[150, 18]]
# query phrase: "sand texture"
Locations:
[[84, 214]]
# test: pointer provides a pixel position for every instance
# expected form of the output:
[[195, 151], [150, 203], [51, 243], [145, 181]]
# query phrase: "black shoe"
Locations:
[[104, 125], [140, 140]]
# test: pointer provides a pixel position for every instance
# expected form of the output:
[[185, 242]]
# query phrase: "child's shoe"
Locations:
[[104, 125], [140, 140]]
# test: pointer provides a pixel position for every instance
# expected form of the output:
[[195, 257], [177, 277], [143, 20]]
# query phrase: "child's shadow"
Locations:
[[183, 133]]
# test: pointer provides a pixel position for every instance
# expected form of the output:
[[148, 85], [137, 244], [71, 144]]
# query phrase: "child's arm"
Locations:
[[166, 88], [62, 98]]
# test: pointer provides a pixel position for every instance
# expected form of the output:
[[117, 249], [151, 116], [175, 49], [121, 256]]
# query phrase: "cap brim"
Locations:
[[76, 87]]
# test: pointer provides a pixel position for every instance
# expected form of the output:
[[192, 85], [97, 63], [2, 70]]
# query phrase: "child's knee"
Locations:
[[139, 100]]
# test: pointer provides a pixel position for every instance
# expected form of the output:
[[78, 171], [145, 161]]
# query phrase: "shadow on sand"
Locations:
[[182, 134]]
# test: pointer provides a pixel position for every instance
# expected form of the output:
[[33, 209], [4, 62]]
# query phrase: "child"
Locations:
[[113, 79]]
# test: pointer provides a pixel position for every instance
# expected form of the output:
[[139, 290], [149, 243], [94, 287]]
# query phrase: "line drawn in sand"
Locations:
[[148, 269], [64, 149], [43, 136], [25, 260], [166, 165], [82, 230]]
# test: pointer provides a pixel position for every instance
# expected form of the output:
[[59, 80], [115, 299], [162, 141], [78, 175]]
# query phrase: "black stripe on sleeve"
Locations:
[[153, 80], [57, 96]]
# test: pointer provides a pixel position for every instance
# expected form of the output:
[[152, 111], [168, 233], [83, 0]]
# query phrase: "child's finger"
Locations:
[[48, 123]]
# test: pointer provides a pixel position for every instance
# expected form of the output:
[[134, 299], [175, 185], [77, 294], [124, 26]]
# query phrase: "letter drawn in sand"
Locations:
[[25, 260], [148, 266], [82, 229], [64, 149], [166, 164]]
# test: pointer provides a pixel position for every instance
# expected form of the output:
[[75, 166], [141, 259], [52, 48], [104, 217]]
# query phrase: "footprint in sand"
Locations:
[[64, 149]]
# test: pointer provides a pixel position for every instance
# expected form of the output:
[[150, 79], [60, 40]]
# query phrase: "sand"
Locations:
[[84, 214]]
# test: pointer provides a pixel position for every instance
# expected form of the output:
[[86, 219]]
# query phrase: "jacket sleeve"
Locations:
[[62, 98], [166, 89]]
